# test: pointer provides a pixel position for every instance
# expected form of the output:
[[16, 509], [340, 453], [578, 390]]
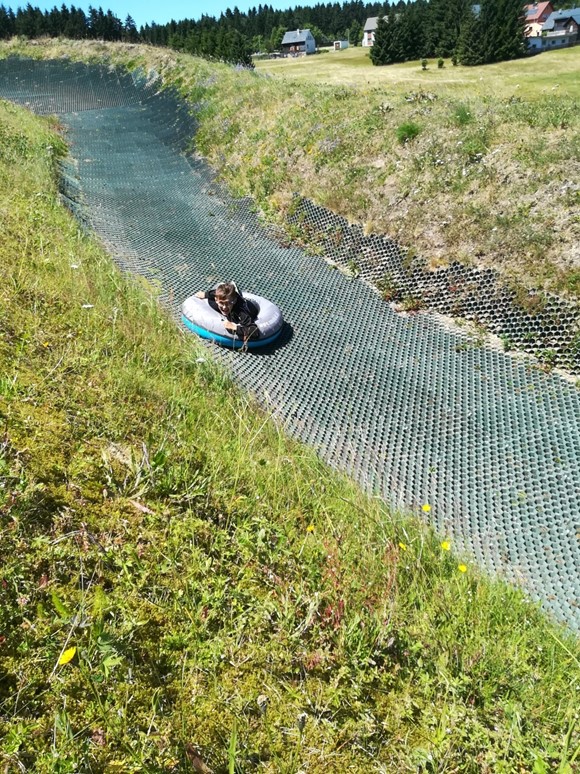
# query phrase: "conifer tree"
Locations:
[[470, 44], [503, 22], [238, 49], [380, 51], [130, 30], [7, 23], [444, 25], [355, 33]]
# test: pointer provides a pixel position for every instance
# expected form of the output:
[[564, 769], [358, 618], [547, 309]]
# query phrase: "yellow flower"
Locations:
[[462, 568], [403, 546], [67, 656], [310, 528], [426, 508], [446, 545]]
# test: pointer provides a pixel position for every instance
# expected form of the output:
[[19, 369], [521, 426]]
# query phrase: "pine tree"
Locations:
[[130, 30], [407, 41], [355, 33], [444, 26], [509, 41], [470, 43], [238, 51], [7, 25], [380, 51]]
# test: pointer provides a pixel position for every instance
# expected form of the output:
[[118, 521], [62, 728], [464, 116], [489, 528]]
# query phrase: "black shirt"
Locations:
[[244, 313]]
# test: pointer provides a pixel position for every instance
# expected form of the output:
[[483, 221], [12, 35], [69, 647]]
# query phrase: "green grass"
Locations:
[[501, 141], [550, 73], [221, 594]]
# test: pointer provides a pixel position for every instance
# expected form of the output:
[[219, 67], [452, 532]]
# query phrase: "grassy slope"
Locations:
[[224, 591], [491, 177]]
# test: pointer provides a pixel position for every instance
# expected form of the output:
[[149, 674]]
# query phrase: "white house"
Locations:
[[369, 31], [298, 42]]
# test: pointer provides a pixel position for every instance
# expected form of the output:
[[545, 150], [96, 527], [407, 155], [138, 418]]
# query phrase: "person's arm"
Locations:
[[247, 328], [209, 295]]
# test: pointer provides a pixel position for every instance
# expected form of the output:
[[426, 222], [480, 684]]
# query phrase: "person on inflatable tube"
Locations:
[[240, 312]]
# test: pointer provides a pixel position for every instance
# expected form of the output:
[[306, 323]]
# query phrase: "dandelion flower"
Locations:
[[426, 508], [402, 546], [67, 656], [310, 528], [462, 568], [446, 545]]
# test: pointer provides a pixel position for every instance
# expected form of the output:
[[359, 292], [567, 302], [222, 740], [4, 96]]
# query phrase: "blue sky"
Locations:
[[146, 11]]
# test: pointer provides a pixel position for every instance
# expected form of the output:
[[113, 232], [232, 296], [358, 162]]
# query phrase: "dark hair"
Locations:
[[226, 291]]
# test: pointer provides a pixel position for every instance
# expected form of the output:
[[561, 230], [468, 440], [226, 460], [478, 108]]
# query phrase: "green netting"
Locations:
[[403, 404], [541, 324]]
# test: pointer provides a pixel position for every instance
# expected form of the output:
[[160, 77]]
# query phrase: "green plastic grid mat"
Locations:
[[541, 324], [404, 405]]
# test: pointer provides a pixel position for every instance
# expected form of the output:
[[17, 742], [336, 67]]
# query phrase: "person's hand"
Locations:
[[230, 326], [200, 294]]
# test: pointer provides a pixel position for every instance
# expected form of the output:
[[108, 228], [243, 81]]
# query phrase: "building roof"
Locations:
[[535, 11], [371, 24], [296, 36], [561, 16]]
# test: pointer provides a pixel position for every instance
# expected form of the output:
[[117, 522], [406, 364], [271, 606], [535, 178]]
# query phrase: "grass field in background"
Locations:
[[182, 586], [549, 73]]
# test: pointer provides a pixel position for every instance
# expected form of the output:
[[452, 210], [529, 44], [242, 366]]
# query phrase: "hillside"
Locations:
[[185, 589], [478, 165]]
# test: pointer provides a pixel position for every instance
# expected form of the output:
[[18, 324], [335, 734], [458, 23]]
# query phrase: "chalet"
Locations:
[[298, 43], [369, 31], [536, 15], [561, 29]]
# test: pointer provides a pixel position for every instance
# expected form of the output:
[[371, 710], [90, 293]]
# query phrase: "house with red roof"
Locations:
[[536, 15]]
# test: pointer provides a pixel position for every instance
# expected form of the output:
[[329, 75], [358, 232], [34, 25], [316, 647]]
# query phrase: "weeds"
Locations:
[[407, 131], [547, 359], [411, 303], [462, 115], [387, 287], [507, 342]]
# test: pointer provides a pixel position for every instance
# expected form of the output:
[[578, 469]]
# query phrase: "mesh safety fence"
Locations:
[[410, 408]]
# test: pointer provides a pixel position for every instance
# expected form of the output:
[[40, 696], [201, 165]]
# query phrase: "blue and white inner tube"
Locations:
[[199, 317]]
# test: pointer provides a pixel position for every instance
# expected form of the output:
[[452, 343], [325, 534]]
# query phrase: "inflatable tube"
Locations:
[[199, 317]]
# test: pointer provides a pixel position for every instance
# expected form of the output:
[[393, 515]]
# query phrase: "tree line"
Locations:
[[67, 22], [471, 34], [490, 31], [263, 27]]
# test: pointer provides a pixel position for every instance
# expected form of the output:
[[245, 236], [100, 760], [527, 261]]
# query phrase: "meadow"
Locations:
[[185, 589], [548, 74]]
